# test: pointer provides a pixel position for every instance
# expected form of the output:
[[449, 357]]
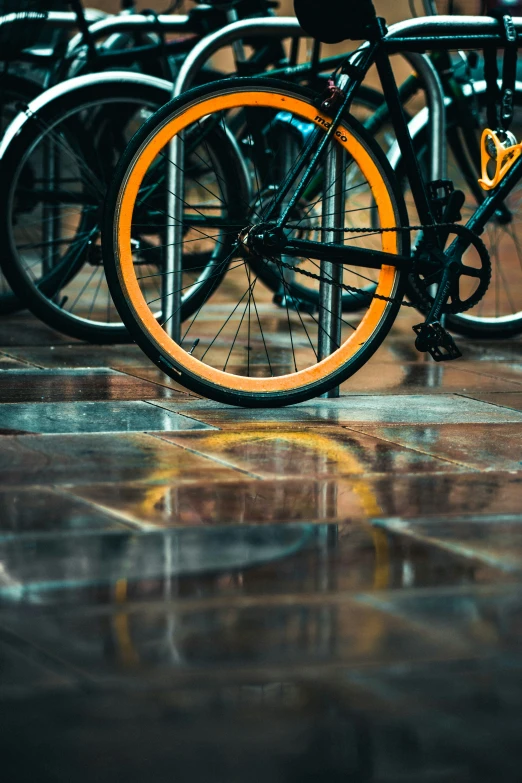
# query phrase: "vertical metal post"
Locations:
[[430, 7], [172, 280], [436, 112], [50, 210], [237, 44], [330, 302]]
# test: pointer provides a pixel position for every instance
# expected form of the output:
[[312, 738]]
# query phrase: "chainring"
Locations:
[[417, 287]]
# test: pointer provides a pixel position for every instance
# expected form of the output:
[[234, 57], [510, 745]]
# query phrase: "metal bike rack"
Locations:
[[273, 27], [330, 299], [169, 23]]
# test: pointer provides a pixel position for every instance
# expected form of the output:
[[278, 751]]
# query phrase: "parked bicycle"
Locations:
[[238, 347]]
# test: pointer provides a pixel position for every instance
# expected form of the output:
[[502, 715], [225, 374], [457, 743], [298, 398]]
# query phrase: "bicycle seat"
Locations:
[[333, 21]]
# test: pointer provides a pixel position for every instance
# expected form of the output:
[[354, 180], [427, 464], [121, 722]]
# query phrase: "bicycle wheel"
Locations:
[[499, 313], [55, 170], [15, 91], [239, 347]]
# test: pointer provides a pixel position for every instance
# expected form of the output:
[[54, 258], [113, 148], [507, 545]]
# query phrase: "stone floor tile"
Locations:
[[400, 346], [156, 376], [506, 400], [48, 512], [229, 502], [448, 494], [509, 372], [79, 355], [214, 567], [70, 417], [509, 350], [406, 409], [58, 385], [7, 362], [427, 377], [482, 446], [310, 452], [319, 500], [493, 539], [102, 457], [146, 643], [23, 674], [350, 725], [487, 618], [35, 567], [22, 329]]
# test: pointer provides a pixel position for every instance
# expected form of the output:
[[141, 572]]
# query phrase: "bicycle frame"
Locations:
[[378, 53]]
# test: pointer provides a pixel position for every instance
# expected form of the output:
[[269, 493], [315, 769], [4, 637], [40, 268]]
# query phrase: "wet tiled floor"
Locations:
[[328, 592]]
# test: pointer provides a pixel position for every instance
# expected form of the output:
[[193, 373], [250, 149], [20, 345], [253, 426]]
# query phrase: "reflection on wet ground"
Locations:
[[326, 592]]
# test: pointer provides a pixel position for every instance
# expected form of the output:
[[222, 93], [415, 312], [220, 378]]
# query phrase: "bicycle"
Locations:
[[236, 348], [36, 54]]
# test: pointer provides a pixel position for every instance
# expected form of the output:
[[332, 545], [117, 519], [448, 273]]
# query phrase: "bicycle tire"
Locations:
[[236, 94], [39, 293]]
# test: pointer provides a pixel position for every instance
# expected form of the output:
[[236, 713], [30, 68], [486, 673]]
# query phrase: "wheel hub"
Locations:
[[262, 239]]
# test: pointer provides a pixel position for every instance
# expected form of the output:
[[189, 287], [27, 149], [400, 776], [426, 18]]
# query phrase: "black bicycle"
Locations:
[[238, 347]]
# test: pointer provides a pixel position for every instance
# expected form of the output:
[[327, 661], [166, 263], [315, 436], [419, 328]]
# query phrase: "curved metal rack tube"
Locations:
[[171, 23], [277, 27], [439, 32], [437, 111]]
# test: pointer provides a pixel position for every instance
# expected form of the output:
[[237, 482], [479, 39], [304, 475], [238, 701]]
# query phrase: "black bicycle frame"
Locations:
[[379, 54]]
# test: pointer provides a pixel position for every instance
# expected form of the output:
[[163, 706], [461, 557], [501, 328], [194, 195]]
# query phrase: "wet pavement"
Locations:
[[190, 592]]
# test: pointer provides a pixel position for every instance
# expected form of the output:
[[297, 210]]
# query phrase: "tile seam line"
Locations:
[[156, 383], [461, 551], [30, 365], [17, 639], [494, 404], [115, 683], [330, 598], [291, 479], [490, 375], [209, 457], [469, 468], [176, 413], [61, 491], [189, 482], [130, 520]]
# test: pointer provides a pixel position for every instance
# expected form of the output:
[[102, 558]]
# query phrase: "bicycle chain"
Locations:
[[360, 291]]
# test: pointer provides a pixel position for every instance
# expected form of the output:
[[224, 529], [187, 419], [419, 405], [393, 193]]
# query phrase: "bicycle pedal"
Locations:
[[295, 305], [432, 338]]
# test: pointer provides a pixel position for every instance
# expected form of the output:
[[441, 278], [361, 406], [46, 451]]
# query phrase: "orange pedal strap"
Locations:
[[503, 154]]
